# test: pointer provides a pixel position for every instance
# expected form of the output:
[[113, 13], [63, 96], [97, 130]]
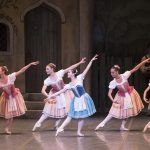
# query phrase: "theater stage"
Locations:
[[109, 138]]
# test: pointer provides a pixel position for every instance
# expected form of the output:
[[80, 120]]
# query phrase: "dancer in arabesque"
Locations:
[[59, 106], [82, 105], [127, 102], [11, 101]]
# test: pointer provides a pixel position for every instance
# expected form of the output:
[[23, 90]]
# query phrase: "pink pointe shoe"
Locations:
[[59, 130]]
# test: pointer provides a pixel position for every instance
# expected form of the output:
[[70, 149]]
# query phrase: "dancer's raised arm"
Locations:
[[26, 67], [75, 65], [139, 65], [89, 65]]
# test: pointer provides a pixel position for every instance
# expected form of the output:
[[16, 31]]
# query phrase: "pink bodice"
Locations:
[[124, 88], [57, 86], [10, 90]]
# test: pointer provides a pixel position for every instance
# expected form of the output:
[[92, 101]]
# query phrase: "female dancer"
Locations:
[[127, 102], [11, 101], [56, 109], [146, 100], [82, 105]]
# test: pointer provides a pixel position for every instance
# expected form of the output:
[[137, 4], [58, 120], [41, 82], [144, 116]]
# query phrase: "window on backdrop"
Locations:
[[6, 44]]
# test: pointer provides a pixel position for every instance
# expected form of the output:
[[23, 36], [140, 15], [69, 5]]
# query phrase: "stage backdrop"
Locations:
[[121, 33]]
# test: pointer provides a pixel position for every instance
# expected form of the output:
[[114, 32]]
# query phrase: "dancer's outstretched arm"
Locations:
[[89, 65], [139, 65], [145, 94], [22, 70], [54, 95], [75, 65]]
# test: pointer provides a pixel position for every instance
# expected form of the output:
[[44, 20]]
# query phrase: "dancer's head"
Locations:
[[50, 68], [72, 73], [115, 70], [3, 70]]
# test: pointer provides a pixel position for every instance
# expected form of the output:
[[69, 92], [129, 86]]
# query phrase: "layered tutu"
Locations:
[[12, 106], [118, 109], [82, 109], [53, 110]]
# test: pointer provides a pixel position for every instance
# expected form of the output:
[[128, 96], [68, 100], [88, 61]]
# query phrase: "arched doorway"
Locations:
[[42, 42]]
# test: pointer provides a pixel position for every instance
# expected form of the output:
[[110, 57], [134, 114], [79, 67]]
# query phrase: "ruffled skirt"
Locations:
[[54, 109], [82, 109], [12, 106], [118, 109]]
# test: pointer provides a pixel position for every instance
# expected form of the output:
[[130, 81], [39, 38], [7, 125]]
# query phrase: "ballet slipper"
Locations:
[[146, 127], [37, 125], [7, 131], [80, 134], [59, 130], [101, 125], [124, 129]]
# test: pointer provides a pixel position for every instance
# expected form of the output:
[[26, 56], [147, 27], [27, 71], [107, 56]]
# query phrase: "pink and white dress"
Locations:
[[11, 101], [127, 101], [60, 105]]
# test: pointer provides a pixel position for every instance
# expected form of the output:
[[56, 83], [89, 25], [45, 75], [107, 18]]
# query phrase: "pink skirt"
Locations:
[[51, 109], [117, 110], [12, 106]]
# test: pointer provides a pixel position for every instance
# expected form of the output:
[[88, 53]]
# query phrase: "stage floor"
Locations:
[[109, 138]]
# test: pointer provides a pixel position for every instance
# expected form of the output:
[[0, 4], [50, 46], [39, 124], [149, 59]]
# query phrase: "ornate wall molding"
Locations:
[[8, 3], [37, 4]]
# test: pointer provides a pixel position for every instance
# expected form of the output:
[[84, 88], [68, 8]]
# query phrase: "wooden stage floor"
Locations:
[[109, 138]]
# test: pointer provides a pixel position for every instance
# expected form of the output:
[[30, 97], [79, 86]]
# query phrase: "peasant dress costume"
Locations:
[[11, 101], [82, 105], [58, 107], [127, 102]]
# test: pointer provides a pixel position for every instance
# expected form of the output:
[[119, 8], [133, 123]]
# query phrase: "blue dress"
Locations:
[[82, 105]]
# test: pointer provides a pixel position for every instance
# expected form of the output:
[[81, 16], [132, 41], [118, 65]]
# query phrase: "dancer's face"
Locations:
[[49, 70], [70, 74], [114, 73]]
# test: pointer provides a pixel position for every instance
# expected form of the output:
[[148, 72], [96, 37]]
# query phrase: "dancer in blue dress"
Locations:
[[82, 105]]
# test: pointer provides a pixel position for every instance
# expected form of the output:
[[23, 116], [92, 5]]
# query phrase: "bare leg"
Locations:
[[65, 123], [80, 126], [146, 127], [102, 124], [57, 123], [123, 128], [40, 121]]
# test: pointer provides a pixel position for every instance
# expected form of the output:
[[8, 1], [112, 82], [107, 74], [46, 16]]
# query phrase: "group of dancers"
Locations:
[[71, 101]]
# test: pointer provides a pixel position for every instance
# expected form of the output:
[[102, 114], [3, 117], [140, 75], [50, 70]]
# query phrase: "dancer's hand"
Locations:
[[83, 60], [35, 63], [147, 60], [46, 100], [114, 101], [94, 58], [146, 100]]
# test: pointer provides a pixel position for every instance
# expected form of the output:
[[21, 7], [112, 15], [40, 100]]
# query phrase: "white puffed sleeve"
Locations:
[[112, 85], [12, 77], [61, 73], [47, 82], [80, 77], [127, 74]]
